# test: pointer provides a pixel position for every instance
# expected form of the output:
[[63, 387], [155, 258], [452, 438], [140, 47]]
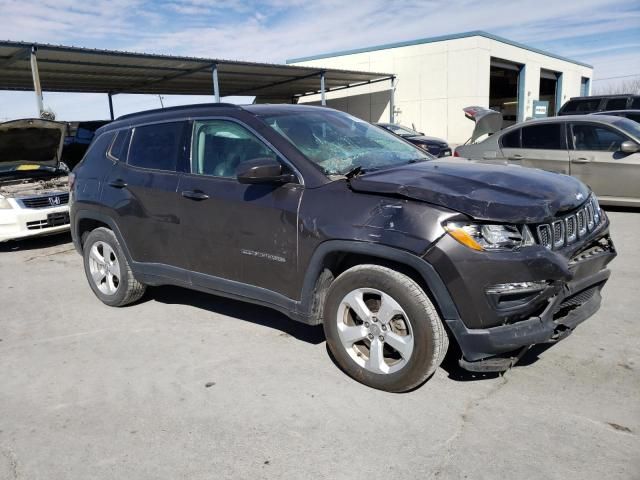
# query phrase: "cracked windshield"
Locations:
[[339, 143]]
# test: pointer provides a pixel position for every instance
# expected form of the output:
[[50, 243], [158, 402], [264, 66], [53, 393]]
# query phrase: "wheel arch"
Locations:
[[335, 256], [85, 221]]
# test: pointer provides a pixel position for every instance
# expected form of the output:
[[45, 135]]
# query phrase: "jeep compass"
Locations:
[[334, 221]]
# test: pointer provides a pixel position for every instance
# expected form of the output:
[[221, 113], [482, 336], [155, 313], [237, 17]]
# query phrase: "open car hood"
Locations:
[[500, 193], [31, 142], [487, 121]]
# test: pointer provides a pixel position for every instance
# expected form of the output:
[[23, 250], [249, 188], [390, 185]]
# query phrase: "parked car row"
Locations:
[[334, 221], [602, 149]]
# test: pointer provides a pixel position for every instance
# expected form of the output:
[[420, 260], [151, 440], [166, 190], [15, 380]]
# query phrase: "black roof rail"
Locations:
[[616, 95], [193, 106]]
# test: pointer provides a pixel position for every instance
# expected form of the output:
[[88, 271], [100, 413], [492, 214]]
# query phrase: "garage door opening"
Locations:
[[503, 89], [550, 90]]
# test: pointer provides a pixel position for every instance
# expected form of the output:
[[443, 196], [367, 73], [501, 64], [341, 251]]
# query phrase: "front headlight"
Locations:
[[4, 203], [481, 237]]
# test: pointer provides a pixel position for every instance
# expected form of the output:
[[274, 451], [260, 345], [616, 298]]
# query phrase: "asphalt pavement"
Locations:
[[185, 385]]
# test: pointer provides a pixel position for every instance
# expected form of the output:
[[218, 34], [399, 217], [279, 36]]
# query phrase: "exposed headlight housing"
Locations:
[[4, 203], [490, 237]]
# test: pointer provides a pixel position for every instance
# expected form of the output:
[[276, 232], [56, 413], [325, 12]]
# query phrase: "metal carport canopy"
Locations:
[[71, 69]]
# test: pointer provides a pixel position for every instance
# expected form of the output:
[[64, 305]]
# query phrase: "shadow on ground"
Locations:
[[311, 334], [241, 310], [36, 243], [456, 372]]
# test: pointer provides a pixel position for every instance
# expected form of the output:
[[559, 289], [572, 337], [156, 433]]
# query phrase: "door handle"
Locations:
[[194, 195], [516, 157], [581, 160], [118, 183]]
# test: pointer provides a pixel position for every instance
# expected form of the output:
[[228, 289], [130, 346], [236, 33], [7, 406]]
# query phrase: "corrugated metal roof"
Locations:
[[441, 38], [73, 69]]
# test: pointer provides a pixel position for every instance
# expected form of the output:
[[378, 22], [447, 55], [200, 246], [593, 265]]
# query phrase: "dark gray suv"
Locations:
[[331, 220]]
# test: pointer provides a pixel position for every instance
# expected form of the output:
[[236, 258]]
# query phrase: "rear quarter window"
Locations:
[[120, 145], [616, 104], [635, 104], [156, 146], [581, 106], [98, 149]]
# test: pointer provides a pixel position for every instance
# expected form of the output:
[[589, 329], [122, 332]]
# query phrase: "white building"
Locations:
[[437, 77]]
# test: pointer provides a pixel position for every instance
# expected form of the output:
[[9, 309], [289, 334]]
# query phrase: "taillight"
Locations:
[[455, 153], [72, 180]]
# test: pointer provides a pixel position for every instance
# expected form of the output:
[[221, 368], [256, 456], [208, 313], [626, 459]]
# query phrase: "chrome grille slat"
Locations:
[[568, 229], [571, 228], [558, 234], [544, 235], [43, 201]]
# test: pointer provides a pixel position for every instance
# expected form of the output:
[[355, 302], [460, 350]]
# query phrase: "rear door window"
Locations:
[[590, 137], [156, 146], [547, 136], [635, 104], [511, 139]]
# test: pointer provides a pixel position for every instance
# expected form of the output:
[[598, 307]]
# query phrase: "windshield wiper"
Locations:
[[354, 172]]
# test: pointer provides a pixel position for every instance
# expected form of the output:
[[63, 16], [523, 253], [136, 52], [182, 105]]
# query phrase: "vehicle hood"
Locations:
[[426, 139], [487, 121], [30, 143], [500, 193]]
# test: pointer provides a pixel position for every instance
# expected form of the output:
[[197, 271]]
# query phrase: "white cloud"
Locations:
[[274, 30]]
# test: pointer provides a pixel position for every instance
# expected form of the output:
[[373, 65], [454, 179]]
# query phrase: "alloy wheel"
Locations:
[[375, 330], [104, 268]]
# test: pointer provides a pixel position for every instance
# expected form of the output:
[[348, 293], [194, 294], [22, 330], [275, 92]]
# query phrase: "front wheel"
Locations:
[[382, 328], [108, 271]]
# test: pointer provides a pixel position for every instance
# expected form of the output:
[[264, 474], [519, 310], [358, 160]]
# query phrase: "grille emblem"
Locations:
[[54, 201]]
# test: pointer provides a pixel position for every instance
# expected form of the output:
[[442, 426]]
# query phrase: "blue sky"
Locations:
[[604, 33]]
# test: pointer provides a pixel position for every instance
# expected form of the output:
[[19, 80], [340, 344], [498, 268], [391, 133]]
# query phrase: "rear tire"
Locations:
[[382, 328], [107, 270]]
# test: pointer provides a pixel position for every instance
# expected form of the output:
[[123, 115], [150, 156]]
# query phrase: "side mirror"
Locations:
[[629, 146], [262, 170]]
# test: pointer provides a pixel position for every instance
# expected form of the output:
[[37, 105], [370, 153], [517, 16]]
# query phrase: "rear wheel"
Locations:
[[108, 271], [382, 328]]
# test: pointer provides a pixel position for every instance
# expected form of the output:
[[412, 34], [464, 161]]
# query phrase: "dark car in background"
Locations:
[[78, 139], [334, 221], [601, 103], [435, 146]]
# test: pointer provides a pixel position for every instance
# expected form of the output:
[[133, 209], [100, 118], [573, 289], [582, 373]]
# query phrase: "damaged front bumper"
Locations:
[[493, 333]]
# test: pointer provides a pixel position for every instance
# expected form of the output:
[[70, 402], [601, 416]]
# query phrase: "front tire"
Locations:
[[382, 328], [108, 271]]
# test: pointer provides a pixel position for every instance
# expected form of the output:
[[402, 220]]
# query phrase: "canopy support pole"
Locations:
[[392, 101], [36, 80], [216, 87], [323, 99], [110, 96]]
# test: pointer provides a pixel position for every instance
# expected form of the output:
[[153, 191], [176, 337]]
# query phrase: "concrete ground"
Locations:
[[189, 386]]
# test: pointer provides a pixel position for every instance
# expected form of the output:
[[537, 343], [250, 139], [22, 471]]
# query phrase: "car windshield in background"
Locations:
[[629, 126], [338, 142], [401, 130]]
